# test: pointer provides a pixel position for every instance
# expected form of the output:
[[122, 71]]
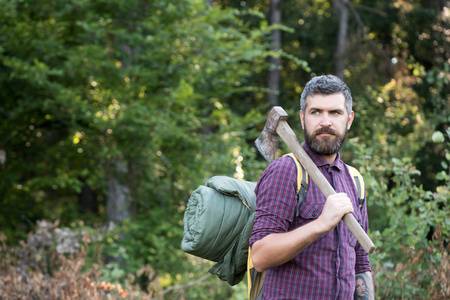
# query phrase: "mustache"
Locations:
[[325, 130]]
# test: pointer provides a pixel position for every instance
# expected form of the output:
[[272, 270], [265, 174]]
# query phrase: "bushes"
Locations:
[[56, 263], [411, 229], [51, 264], [421, 274]]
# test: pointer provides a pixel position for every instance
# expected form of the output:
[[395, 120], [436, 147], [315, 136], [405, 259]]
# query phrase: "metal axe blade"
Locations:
[[267, 142]]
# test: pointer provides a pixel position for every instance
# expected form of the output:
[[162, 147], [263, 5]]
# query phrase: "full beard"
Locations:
[[325, 145]]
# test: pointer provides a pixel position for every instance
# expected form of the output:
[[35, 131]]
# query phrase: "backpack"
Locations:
[[219, 218], [255, 279]]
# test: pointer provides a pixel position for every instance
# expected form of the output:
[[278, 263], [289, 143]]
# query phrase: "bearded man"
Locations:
[[312, 254]]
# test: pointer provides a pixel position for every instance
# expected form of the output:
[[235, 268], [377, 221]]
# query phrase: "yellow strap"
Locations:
[[249, 266], [355, 174], [299, 172], [255, 280]]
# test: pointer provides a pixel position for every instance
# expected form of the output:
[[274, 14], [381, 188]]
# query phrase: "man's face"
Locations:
[[326, 122]]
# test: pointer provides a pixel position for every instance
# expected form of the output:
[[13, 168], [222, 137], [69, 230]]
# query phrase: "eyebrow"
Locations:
[[337, 110]]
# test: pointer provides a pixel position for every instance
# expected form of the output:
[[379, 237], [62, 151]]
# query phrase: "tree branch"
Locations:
[[371, 9], [187, 285], [363, 28]]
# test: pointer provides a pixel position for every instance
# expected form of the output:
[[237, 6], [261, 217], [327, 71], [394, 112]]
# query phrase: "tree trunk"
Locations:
[[275, 62], [342, 9], [118, 204], [86, 199]]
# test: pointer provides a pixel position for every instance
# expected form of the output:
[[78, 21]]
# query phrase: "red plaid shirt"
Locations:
[[326, 269]]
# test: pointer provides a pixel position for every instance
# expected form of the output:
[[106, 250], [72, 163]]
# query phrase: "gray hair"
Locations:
[[326, 85]]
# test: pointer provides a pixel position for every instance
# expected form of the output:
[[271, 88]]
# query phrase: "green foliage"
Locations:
[[154, 84], [175, 90], [103, 84], [410, 227]]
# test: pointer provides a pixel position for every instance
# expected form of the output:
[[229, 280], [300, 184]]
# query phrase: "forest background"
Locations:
[[113, 112]]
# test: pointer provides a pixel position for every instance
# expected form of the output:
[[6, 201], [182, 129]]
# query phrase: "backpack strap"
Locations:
[[255, 279], [302, 182], [359, 183]]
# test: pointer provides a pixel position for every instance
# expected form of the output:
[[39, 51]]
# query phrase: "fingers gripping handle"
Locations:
[[289, 137]]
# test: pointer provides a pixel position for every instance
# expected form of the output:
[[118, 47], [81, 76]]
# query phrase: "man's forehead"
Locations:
[[336, 100]]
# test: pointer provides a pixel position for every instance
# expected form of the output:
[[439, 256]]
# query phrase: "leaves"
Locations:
[[175, 91], [438, 137]]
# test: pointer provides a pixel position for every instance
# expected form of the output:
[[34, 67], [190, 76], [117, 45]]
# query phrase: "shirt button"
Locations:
[[337, 276], [314, 214]]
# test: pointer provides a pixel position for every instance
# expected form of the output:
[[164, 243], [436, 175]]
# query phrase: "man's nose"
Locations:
[[326, 121]]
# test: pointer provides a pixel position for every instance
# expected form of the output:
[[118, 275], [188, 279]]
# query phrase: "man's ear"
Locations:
[[351, 116], [302, 120]]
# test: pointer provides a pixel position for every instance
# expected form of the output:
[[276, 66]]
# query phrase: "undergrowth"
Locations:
[[51, 264]]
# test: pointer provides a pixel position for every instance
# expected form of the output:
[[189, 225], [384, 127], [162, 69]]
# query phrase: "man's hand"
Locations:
[[335, 208]]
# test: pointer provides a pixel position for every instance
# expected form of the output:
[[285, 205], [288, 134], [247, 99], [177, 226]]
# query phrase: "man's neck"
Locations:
[[330, 158]]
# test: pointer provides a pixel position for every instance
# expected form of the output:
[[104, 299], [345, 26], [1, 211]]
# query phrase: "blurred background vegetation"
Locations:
[[113, 112]]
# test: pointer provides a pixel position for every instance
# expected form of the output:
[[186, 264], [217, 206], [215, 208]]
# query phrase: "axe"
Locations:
[[267, 142]]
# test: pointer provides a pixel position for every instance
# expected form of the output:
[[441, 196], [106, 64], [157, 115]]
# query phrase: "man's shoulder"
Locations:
[[283, 166], [284, 161]]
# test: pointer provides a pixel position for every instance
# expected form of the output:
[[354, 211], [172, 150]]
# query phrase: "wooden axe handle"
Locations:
[[289, 137]]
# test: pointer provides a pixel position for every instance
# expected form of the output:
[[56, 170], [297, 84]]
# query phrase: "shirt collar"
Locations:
[[321, 162]]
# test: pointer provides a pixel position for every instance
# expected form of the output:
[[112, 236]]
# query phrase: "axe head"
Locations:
[[267, 142]]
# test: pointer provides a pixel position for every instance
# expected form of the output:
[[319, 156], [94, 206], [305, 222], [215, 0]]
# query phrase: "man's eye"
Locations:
[[315, 112]]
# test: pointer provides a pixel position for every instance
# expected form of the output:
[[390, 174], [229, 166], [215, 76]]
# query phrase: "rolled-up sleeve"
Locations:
[[276, 199], [362, 258]]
